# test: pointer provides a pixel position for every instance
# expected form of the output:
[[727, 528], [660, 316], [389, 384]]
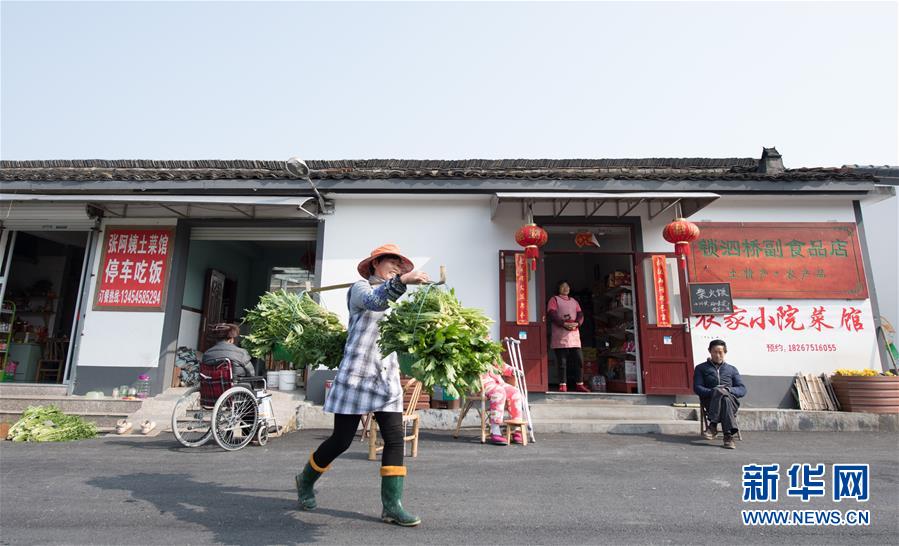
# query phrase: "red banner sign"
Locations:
[[787, 261], [660, 284], [134, 269], [521, 290]]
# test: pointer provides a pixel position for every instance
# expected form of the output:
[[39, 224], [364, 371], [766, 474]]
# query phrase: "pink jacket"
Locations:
[[562, 309]]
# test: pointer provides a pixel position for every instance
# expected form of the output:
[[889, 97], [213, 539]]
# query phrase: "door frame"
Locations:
[[540, 324], [643, 325]]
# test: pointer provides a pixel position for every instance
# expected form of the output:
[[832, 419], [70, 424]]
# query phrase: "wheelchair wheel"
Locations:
[[262, 434], [191, 424], [235, 418]]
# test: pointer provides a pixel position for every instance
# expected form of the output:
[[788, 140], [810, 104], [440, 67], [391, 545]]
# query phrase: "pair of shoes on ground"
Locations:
[[124, 426], [500, 440], [578, 387]]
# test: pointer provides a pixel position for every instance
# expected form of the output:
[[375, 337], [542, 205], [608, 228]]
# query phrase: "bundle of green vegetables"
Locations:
[[450, 344], [49, 424], [311, 334]]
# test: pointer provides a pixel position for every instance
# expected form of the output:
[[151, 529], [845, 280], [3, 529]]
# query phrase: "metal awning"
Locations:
[[625, 203], [239, 203]]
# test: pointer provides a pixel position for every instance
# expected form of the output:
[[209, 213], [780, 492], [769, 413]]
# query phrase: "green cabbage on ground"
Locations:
[[49, 424]]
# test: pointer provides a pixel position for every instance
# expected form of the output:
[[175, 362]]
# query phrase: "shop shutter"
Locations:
[[296, 233], [41, 216]]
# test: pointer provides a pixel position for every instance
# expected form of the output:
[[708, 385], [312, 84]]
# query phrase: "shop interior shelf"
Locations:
[[618, 311], [618, 355], [619, 333], [614, 291]]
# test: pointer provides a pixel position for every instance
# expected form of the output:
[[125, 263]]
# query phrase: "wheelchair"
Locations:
[[233, 413]]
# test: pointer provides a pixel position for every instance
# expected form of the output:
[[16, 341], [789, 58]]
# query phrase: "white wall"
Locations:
[[882, 230], [775, 352], [120, 338], [431, 230]]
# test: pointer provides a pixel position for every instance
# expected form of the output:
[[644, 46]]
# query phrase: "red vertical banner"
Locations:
[[134, 269], [521, 290], [660, 288]]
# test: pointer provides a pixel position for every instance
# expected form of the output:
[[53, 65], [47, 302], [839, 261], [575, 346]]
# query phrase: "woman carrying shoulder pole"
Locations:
[[367, 383]]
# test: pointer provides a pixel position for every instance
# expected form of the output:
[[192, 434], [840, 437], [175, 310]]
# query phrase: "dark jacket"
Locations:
[[240, 358], [707, 376]]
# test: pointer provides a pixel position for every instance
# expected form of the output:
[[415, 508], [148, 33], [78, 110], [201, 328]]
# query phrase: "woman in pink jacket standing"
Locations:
[[566, 318]]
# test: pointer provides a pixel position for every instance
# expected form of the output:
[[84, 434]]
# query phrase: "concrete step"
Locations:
[[594, 397], [32, 389], [611, 426], [70, 404], [603, 411]]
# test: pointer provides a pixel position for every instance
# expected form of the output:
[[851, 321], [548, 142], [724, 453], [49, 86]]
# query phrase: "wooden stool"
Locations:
[[522, 428]]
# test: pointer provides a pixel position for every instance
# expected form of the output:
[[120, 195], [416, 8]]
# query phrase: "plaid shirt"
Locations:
[[365, 382]]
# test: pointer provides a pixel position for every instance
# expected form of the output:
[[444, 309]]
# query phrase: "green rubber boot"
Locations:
[[305, 480], [392, 497]]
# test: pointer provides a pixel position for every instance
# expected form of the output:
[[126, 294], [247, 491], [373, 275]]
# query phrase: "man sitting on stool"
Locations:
[[719, 385]]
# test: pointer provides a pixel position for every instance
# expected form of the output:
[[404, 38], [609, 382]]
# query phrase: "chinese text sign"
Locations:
[[788, 260], [134, 269]]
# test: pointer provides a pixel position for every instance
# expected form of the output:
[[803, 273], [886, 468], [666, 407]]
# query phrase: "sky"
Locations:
[[429, 80]]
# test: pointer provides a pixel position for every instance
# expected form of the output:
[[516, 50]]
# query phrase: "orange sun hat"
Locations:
[[364, 267]]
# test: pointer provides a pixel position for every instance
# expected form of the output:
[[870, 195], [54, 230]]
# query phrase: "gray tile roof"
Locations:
[[735, 169]]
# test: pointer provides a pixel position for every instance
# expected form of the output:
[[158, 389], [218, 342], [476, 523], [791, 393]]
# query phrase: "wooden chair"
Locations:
[[482, 410], [704, 421], [50, 366], [410, 415]]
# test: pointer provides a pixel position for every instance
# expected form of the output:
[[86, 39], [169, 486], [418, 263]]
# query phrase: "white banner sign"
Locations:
[[785, 337]]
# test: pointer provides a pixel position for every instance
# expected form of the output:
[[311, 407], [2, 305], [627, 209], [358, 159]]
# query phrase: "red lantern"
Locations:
[[681, 232], [531, 237]]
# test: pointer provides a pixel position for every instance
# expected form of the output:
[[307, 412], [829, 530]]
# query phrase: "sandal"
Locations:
[[147, 426], [123, 426], [497, 440]]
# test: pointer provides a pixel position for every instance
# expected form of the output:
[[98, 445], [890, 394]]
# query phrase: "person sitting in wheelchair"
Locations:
[[226, 335]]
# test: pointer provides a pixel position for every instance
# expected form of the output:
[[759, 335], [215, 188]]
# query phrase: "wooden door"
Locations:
[[666, 352], [533, 334], [212, 305]]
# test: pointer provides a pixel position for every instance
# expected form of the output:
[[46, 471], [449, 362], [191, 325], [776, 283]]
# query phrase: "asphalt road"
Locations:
[[565, 489]]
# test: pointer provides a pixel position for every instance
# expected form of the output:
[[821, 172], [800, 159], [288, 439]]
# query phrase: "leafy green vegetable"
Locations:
[[311, 334], [450, 344], [49, 424], [322, 340]]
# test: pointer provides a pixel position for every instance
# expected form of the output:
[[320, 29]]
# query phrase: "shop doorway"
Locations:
[[43, 278], [228, 271], [597, 263]]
